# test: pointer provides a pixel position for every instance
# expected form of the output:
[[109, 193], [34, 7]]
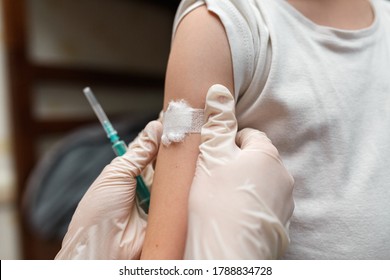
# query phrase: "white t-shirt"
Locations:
[[322, 95]]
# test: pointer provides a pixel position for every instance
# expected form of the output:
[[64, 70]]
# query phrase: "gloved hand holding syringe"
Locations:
[[119, 146], [108, 223]]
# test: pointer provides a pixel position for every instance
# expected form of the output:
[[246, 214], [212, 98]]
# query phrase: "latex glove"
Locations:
[[148, 172], [241, 197], [107, 223]]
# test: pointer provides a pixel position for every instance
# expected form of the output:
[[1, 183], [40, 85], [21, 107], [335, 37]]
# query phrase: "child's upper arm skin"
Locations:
[[200, 57]]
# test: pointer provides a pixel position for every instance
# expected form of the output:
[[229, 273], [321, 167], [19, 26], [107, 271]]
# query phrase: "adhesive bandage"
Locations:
[[179, 120]]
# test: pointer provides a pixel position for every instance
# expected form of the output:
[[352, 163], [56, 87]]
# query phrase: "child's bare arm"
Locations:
[[200, 57]]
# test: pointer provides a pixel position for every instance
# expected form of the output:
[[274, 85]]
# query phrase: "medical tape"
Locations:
[[180, 120]]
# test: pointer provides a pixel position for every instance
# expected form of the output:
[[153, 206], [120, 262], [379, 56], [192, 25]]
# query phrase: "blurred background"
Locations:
[[49, 51]]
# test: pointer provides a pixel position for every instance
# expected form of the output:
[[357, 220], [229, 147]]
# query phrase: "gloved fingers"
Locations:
[[161, 116], [290, 206], [259, 144], [148, 172], [254, 140], [141, 151], [219, 131], [251, 139]]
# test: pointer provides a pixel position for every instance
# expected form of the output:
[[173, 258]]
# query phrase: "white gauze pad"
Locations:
[[179, 120]]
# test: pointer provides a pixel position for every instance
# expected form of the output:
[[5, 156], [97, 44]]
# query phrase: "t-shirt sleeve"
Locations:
[[240, 25]]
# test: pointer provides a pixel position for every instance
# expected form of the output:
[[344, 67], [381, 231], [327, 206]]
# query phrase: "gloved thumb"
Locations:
[[141, 151], [218, 134]]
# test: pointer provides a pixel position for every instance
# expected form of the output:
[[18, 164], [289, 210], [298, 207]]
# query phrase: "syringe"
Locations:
[[118, 146]]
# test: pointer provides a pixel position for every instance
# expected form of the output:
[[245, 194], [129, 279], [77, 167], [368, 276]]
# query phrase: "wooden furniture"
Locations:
[[23, 74]]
